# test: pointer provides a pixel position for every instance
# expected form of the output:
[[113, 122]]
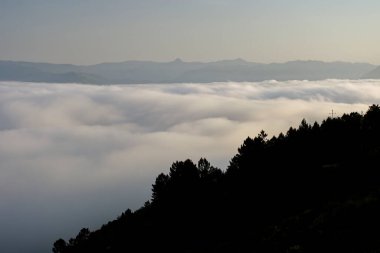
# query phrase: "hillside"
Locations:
[[178, 71], [45, 72], [374, 74], [313, 189]]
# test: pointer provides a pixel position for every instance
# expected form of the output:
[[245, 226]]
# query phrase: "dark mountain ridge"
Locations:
[[178, 71], [315, 188]]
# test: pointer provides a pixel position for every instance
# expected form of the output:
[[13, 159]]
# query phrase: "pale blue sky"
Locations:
[[93, 31]]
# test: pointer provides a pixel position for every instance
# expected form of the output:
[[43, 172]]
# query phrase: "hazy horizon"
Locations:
[[196, 61], [90, 32]]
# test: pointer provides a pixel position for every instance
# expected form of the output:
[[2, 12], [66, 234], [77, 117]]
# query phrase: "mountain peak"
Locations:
[[177, 60], [239, 60]]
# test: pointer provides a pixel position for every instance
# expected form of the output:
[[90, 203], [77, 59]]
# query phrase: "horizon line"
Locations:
[[179, 60]]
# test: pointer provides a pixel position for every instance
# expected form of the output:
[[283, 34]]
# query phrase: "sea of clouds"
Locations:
[[74, 156]]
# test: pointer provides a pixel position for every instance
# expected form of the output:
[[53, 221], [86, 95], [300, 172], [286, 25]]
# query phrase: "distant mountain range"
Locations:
[[178, 71]]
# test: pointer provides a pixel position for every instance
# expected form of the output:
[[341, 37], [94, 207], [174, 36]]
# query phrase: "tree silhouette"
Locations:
[[59, 246], [160, 187]]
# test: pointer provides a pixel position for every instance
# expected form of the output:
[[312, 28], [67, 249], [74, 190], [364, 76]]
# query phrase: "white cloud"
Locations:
[[76, 156]]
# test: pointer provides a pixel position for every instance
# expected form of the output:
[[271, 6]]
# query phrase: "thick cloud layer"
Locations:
[[76, 156]]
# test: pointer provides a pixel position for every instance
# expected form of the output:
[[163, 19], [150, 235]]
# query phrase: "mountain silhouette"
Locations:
[[178, 71]]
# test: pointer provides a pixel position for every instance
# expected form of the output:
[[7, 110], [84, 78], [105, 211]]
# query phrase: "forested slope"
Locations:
[[314, 188]]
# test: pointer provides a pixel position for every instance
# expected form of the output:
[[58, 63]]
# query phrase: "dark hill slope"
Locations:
[[374, 74], [314, 189]]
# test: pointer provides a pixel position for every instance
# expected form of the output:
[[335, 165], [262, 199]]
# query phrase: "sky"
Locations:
[[75, 156], [94, 31]]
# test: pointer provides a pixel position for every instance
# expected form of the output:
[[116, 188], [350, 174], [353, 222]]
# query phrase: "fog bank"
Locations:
[[76, 156]]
